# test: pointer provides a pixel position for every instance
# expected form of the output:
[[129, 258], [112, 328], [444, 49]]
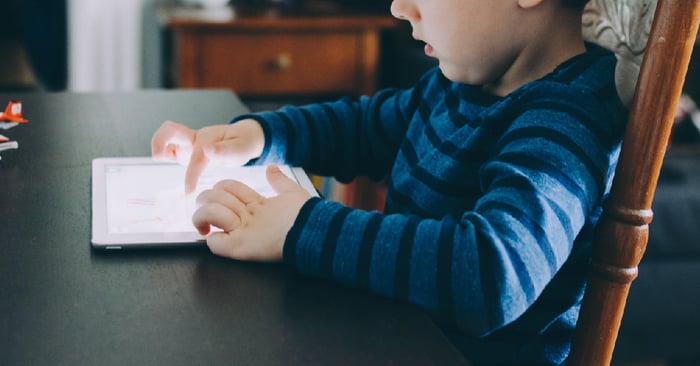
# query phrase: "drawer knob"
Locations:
[[283, 61]]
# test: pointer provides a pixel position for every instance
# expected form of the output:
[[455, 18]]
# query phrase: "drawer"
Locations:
[[266, 63]]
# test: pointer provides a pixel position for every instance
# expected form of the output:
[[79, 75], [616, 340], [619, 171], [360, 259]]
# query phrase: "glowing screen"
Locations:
[[149, 198]]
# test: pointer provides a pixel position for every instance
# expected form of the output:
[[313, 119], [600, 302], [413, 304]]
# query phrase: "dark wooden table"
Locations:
[[61, 303]]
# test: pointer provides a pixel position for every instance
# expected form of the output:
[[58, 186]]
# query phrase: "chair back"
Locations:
[[654, 40]]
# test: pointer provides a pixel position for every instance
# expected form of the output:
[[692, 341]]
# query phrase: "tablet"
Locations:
[[139, 202]]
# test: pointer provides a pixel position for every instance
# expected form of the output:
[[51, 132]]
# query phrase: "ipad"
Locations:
[[139, 202]]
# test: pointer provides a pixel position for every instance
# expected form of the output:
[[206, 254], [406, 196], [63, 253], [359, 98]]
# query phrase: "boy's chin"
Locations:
[[458, 75], [452, 74]]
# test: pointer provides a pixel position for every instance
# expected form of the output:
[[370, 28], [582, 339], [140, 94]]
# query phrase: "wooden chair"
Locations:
[[624, 26]]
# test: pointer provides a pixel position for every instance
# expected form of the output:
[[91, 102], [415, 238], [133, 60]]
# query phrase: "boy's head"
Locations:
[[498, 44]]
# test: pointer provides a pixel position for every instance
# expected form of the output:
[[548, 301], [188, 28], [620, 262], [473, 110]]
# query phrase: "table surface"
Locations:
[[62, 303]]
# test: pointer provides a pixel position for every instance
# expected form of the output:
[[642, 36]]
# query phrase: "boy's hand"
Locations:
[[234, 144], [254, 227]]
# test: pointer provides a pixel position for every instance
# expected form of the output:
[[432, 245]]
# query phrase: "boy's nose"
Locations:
[[404, 10]]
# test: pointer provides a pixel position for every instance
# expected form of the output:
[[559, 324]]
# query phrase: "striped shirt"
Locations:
[[491, 201]]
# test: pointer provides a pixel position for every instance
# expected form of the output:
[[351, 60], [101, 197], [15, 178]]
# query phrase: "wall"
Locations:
[[113, 45]]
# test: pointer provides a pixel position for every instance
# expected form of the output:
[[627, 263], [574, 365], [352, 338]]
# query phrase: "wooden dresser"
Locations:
[[275, 51]]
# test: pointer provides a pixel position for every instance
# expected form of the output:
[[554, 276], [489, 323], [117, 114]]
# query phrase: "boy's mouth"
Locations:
[[428, 49]]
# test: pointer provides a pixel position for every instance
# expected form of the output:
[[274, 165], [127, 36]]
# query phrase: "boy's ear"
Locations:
[[526, 4]]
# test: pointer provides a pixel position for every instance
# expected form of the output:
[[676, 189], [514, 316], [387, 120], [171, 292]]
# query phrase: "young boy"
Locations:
[[497, 163]]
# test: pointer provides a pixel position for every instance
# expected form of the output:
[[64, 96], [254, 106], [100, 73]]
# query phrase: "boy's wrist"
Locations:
[[294, 234]]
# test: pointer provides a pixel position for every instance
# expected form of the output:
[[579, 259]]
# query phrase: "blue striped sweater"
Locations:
[[491, 201]]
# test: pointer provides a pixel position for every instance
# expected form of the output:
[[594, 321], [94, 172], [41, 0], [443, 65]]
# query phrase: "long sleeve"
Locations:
[[483, 266], [343, 139]]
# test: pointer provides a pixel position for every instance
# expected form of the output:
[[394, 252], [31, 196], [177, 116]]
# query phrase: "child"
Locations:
[[497, 163]]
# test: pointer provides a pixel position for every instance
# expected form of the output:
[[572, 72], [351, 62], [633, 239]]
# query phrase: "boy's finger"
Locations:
[[159, 141], [279, 181], [215, 215], [225, 245], [168, 134], [241, 191], [217, 244], [198, 162], [221, 197]]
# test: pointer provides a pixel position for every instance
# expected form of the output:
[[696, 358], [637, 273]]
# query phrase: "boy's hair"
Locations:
[[574, 3]]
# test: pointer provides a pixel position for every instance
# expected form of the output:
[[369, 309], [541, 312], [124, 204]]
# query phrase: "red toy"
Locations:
[[13, 112]]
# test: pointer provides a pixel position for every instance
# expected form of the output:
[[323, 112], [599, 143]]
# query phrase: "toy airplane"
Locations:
[[13, 112]]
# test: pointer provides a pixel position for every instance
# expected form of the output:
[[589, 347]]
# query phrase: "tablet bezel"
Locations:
[[103, 239]]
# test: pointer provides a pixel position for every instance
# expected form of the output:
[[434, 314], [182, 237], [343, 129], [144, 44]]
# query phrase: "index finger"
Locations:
[[169, 133], [198, 162], [240, 190]]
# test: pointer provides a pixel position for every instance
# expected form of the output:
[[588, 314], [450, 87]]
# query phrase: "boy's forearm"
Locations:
[[470, 279], [343, 139]]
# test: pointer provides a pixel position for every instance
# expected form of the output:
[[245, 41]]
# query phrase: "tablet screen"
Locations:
[[142, 201], [151, 198]]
